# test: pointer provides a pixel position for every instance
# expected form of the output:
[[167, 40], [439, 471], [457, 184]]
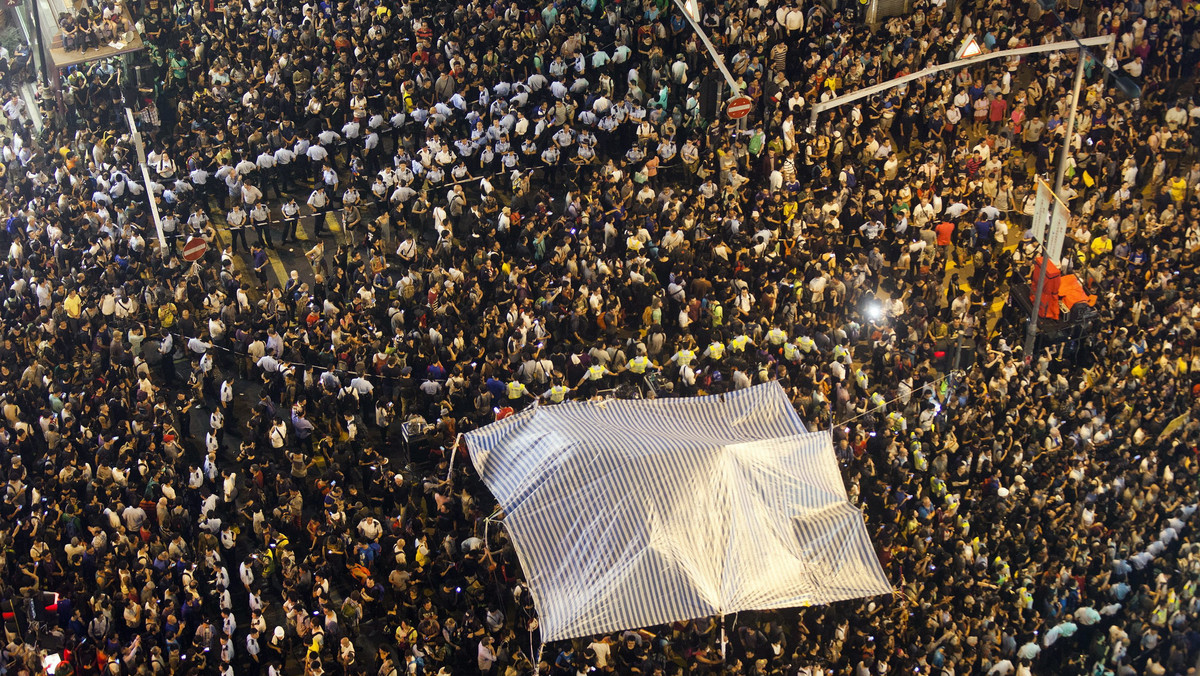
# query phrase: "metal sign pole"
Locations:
[[1031, 327], [141, 153], [733, 85]]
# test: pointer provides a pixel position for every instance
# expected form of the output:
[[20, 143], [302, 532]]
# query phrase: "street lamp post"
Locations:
[[965, 62], [136, 135], [691, 12], [1130, 89], [1060, 174]]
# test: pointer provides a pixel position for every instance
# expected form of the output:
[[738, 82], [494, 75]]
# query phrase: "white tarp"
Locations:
[[628, 514]]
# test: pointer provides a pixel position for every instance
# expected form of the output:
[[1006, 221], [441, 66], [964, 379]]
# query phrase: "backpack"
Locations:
[[74, 527]]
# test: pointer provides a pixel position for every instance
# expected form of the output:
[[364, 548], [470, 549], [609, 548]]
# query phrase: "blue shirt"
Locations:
[[303, 427], [983, 230], [496, 387]]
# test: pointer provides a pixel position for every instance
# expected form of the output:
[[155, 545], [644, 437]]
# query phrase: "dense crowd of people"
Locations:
[[214, 469]]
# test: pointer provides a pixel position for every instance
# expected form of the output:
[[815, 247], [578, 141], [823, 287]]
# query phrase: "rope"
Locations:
[[282, 363], [723, 641], [890, 401], [487, 547]]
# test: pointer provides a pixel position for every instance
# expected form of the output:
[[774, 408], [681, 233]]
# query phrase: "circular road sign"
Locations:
[[739, 107], [194, 249]]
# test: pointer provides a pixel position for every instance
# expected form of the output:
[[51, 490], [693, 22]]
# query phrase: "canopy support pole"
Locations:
[[453, 453], [723, 641]]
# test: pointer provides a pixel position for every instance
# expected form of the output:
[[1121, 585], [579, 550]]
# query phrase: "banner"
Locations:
[[1174, 426], [1041, 210], [1059, 220]]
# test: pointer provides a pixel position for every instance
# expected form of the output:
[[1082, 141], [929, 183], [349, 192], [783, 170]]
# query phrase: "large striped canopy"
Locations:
[[629, 513]]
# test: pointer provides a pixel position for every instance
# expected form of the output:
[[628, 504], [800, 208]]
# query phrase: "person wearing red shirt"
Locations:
[[974, 162], [997, 109], [945, 236]]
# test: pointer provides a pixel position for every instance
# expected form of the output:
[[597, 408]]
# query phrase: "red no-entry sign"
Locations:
[[739, 107], [194, 249]]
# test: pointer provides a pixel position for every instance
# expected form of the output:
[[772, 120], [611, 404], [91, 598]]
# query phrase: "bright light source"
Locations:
[[51, 662], [874, 311], [692, 8]]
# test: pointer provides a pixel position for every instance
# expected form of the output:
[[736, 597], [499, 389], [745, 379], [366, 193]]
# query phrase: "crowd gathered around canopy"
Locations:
[[422, 216]]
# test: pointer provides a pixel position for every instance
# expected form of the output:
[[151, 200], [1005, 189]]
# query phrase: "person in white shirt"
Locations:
[[199, 179], [486, 656], [268, 363], [250, 195], [318, 201], [291, 220], [244, 167], [265, 163], [317, 155], [278, 434], [284, 161], [1134, 67], [252, 647], [260, 217], [236, 220], [164, 166]]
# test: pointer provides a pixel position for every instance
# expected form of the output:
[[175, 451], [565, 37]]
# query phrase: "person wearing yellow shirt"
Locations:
[[716, 314], [790, 208], [517, 393], [714, 353], [557, 392], [1138, 371], [636, 368], [638, 365], [1178, 186], [791, 353], [73, 304], [739, 342], [593, 379], [686, 354], [1101, 245], [807, 345], [166, 315], [776, 337]]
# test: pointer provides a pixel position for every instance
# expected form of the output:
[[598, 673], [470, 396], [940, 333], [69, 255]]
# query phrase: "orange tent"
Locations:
[[1071, 292]]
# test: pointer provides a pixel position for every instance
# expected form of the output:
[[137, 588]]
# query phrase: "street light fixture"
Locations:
[[1123, 82], [956, 64]]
